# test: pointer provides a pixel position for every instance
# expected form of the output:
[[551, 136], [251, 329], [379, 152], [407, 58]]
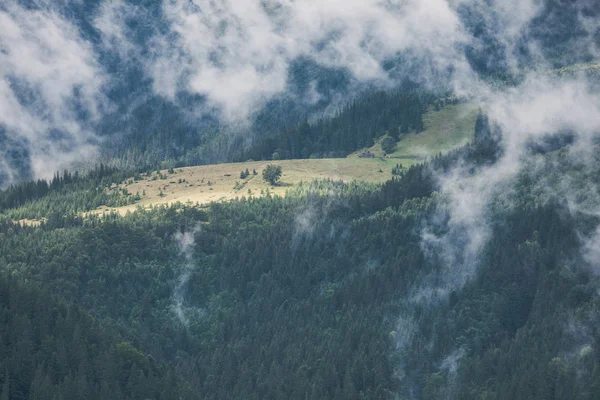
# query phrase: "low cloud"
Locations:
[[50, 88], [185, 242], [111, 21], [238, 53], [592, 251], [531, 112]]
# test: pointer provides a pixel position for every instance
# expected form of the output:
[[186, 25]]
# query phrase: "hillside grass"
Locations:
[[221, 182], [451, 127], [446, 129]]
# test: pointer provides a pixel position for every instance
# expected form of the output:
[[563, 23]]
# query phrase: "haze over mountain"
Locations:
[[433, 232], [100, 80]]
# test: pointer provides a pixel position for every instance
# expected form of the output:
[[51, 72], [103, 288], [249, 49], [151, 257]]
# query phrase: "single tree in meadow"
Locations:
[[388, 145], [272, 173]]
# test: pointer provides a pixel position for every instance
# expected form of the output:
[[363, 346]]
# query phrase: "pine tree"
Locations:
[[6, 387]]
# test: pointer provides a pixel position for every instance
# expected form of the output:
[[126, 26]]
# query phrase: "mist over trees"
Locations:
[[299, 297], [471, 274], [123, 104]]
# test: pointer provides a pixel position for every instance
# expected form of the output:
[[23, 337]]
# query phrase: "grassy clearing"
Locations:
[[451, 127], [445, 130], [221, 182]]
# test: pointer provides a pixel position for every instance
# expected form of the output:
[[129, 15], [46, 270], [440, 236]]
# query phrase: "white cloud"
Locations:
[[111, 22], [237, 52], [534, 110], [44, 55], [186, 243], [544, 105]]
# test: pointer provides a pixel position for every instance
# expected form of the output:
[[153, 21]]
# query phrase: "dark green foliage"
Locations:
[[19, 194], [14, 152], [388, 145], [486, 147], [515, 316], [50, 350], [354, 127], [299, 297], [66, 193], [272, 173], [124, 271]]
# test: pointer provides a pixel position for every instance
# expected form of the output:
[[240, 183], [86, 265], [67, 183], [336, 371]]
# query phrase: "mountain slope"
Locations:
[[333, 293]]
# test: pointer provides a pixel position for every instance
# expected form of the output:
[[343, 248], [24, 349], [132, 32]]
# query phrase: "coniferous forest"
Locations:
[[470, 270], [315, 295]]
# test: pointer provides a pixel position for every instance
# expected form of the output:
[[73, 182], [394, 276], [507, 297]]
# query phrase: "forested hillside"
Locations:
[[51, 349], [354, 127], [66, 194], [326, 293], [316, 199]]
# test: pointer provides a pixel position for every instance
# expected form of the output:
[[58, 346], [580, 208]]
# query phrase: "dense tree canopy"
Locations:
[[303, 297], [339, 290]]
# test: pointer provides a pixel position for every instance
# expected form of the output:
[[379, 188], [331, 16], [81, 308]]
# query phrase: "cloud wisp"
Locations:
[[50, 88], [185, 242], [238, 53]]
